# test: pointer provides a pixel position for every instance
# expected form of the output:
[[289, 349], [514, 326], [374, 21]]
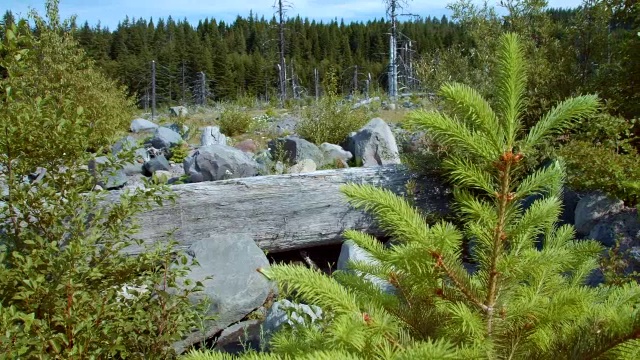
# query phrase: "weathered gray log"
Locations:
[[282, 212]]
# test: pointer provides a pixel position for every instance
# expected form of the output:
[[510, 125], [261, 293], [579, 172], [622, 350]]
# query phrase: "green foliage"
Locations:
[[330, 121], [53, 64], [180, 152], [62, 265], [596, 167], [525, 296], [619, 266], [608, 131], [235, 121], [330, 82], [271, 112], [600, 155]]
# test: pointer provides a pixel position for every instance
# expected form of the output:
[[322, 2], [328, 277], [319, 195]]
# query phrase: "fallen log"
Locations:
[[280, 212]]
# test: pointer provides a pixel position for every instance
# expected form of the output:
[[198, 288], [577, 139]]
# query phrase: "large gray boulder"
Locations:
[[374, 144], [165, 138], [351, 252], [334, 153], [218, 162], [141, 156], [234, 289], [284, 127], [156, 164], [180, 129], [125, 144], [142, 125], [592, 208], [295, 150], [623, 226], [211, 135]]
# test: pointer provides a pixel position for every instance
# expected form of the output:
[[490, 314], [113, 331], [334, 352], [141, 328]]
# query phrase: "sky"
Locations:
[[110, 12]]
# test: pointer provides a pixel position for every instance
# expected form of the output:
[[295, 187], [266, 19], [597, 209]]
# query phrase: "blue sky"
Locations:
[[110, 12]]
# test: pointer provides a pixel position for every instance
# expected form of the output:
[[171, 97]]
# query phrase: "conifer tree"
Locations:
[[526, 295]]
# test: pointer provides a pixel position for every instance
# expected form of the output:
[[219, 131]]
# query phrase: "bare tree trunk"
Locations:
[[393, 66], [153, 90], [281, 212], [283, 66]]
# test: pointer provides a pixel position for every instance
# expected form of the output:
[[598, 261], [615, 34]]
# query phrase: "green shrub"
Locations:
[[52, 65], [180, 152], [271, 112], [607, 131], [329, 121], [62, 265], [234, 121], [595, 167]]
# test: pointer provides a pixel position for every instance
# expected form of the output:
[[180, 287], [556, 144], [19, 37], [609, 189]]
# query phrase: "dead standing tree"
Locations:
[[281, 9], [393, 9]]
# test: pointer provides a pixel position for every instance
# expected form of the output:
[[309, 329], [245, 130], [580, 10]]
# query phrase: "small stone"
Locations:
[[304, 166]]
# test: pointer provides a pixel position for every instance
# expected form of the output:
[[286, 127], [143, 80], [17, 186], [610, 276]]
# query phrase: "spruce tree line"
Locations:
[[240, 58]]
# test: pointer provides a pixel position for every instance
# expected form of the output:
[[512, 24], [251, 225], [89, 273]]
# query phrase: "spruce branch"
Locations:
[[312, 286], [469, 175], [559, 117], [451, 132], [511, 86], [476, 110]]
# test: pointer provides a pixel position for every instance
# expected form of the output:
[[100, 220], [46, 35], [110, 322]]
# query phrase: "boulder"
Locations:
[[231, 283], [135, 181], [136, 167], [239, 337], [176, 170], [165, 138], [333, 154], [142, 125], [570, 201], [218, 162], [211, 135], [157, 163], [295, 150], [178, 111], [124, 144], [374, 144], [248, 146], [109, 178], [304, 166], [284, 127], [349, 252], [183, 130], [4, 188], [624, 226], [592, 208]]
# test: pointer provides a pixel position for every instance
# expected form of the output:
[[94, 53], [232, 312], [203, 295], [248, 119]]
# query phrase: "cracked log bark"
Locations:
[[281, 212]]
